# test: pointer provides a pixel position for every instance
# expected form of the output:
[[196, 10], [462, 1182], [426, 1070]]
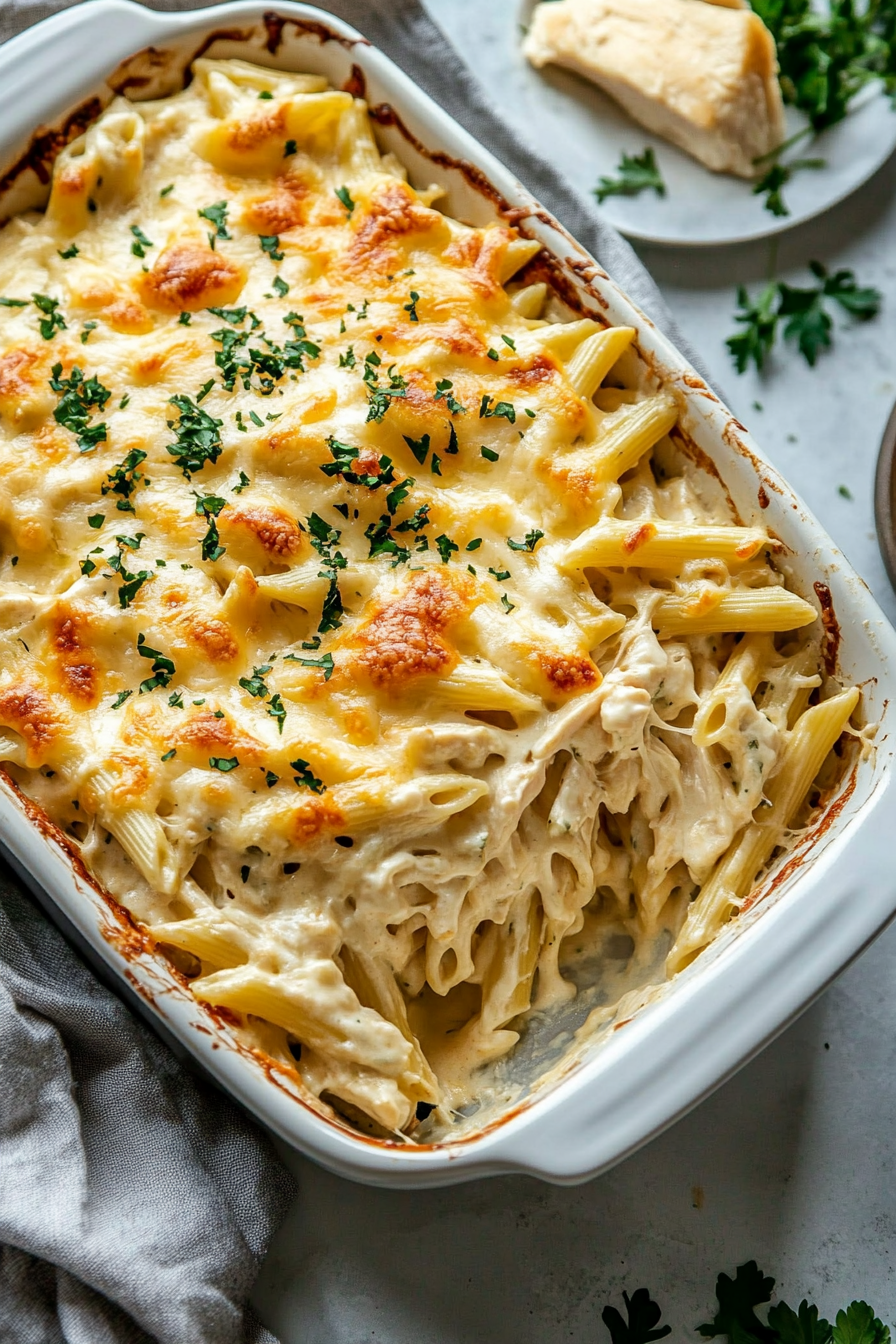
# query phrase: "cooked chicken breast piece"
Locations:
[[701, 75]]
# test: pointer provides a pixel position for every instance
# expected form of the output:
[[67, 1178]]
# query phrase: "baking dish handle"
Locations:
[[66, 44]]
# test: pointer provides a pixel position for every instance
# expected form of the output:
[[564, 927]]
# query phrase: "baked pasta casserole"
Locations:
[[363, 618]]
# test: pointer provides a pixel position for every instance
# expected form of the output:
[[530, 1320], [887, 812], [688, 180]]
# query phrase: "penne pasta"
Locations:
[[652, 543], [810, 742], [720, 612]]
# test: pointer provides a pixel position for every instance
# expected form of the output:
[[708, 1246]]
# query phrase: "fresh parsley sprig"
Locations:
[[736, 1318], [804, 314], [637, 173]]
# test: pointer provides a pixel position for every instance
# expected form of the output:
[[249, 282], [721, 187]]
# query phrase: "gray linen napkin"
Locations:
[[135, 1202]]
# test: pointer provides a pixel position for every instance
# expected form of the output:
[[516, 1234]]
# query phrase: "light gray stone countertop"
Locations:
[[793, 1161]]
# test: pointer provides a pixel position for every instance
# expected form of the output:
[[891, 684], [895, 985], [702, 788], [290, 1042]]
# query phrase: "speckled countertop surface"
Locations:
[[793, 1161]]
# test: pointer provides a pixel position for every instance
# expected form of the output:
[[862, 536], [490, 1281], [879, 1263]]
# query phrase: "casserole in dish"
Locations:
[[549, 1067]]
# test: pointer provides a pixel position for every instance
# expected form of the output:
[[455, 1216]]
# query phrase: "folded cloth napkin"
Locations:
[[136, 1202]]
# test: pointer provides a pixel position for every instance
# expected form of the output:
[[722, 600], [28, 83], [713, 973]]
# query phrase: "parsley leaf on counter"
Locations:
[[859, 1325], [738, 1299], [804, 314], [736, 1317], [760, 322], [637, 173], [643, 1320]]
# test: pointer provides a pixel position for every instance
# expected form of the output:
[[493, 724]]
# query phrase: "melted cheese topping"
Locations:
[[326, 626]]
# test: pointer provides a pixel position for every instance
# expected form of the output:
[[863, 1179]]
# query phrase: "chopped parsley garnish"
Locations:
[[266, 94], [383, 543], [270, 243], [166, 191], [419, 447], [507, 604], [323, 538], [452, 447], [217, 215], [235, 316], [637, 173], [503, 409], [176, 700], [141, 242], [69, 252], [169, 755], [380, 398], [344, 454], [323, 664], [241, 484], [531, 541], [271, 779], [86, 329], [87, 566], [198, 440], [396, 496], [435, 465], [208, 507], [204, 390], [332, 610], [489, 454], [411, 308], [13, 303], [347, 359], [418, 520], [130, 583], [280, 286], [123, 404], [500, 574], [96, 521], [508, 340], [223, 763], [255, 684], [120, 699], [289, 149], [162, 666], [124, 479], [52, 321], [474, 544], [277, 710], [445, 547], [80, 397], [444, 391], [185, 319], [305, 779], [345, 197]]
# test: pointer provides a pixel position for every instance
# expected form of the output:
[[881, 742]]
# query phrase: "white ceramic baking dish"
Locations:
[[814, 913]]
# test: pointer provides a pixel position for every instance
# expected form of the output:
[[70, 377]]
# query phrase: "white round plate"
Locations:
[[700, 207]]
